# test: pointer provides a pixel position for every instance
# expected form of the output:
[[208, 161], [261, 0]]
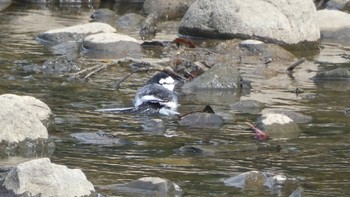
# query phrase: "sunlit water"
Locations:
[[319, 157]]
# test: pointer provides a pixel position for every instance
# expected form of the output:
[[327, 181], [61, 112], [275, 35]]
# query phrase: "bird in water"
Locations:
[[157, 96]]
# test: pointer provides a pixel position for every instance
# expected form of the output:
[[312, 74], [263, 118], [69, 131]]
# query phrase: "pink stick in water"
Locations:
[[259, 134]]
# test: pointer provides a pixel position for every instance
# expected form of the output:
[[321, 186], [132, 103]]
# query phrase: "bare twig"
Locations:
[[295, 64], [259, 134], [153, 64]]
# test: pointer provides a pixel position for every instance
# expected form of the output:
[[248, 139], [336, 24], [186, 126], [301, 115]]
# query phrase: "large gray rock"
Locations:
[[74, 33], [40, 177], [334, 25], [282, 21], [23, 117]]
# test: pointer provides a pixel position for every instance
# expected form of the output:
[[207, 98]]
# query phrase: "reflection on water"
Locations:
[[320, 156]]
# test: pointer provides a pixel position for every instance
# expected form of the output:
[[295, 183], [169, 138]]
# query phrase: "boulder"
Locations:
[[40, 177], [74, 33], [115, 44], [278, 126], [23, 117], [271, 21], [334, 25]]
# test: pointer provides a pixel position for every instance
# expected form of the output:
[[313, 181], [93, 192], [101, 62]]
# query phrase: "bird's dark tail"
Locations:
[[118, 110]]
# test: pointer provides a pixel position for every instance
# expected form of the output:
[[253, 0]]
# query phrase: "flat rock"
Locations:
[[112, 43], [40, 177], [146, 186], [23, 117], [74, 33], [270, 21], [98, 138]]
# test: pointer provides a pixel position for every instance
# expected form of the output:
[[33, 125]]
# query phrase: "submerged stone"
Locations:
[[201, 119], [99, 138], [147, 186], [278, 126], [335, 74]]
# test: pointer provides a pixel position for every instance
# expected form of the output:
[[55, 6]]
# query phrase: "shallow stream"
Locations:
[[320, 157]]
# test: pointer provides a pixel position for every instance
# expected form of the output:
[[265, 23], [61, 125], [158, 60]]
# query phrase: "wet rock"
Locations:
[[334, 25], [147, 186], [288, 24], [338, 4], [156, 126], [335, 74], [295, 116], [278, 126], [168, 9], [148, 29], [201, 119], [158, 10], [74, 33], [255, 180], [99, 138], [129, 22], [220, 76], [247, 106], [59, 65], [40, 177], [23, 117], [4, 4], [299, 192], [252, 180], [104, 15], [115, 44], [23, 126]]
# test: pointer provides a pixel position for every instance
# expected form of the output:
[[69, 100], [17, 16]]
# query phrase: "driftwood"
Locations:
[[88, 72], [295, 64], [151, 66]]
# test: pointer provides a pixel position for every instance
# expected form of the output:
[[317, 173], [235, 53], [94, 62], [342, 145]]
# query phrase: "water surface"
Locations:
[[319, 157]]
